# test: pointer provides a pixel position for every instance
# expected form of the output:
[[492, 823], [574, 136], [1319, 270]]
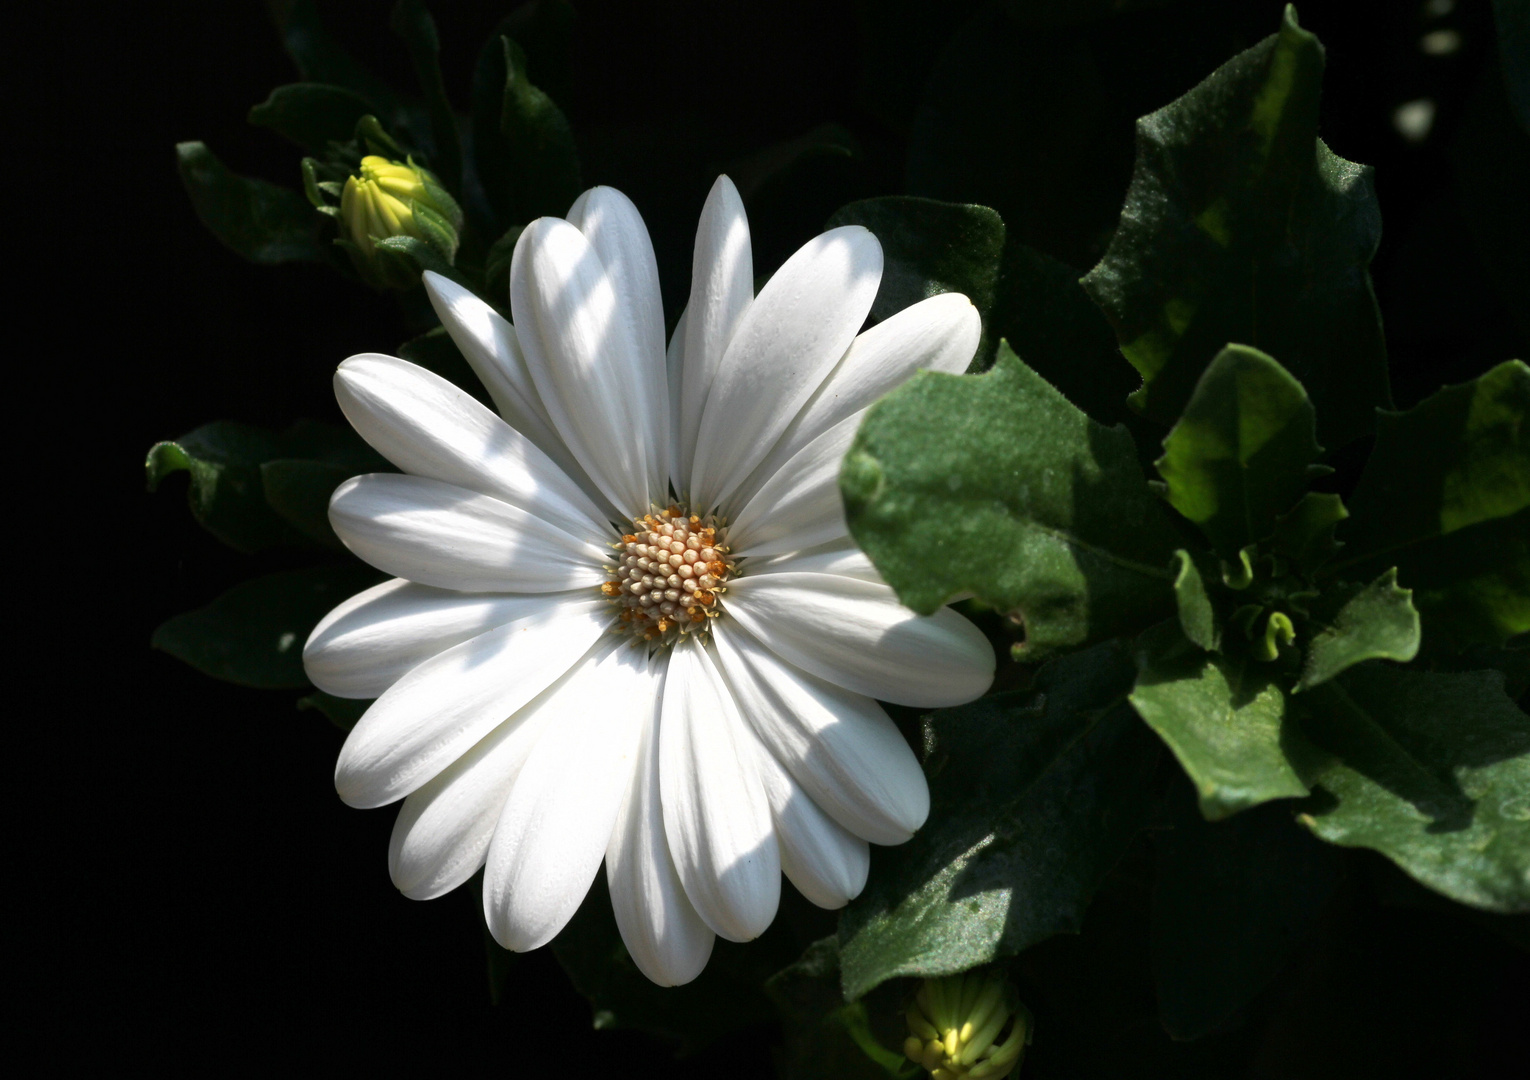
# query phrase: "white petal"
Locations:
[[937, 334], [557, 823], [428, 427], [838, 557], [442, 831], [434, 714], [664, 936], [674, 364], [826, 862], [715, 812], [493, 350], [722, 286], [855, 634], [370, 641], [788, 339], [800, 506], [841, 747], [602, 392], [443, 535]]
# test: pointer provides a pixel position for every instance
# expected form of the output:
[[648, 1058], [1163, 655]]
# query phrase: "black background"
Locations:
[[195, 894]]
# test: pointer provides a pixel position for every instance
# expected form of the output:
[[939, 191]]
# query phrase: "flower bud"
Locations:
[[388, 199], [967, 1027]]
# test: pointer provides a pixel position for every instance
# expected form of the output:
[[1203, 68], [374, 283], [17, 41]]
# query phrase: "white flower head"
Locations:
[[627, 623]]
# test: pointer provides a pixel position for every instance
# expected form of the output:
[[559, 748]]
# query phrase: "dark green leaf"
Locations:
[[1224, 718], [1305, 535], [411, 22], [254, 218], [995, 484], [1237, 458], [725, 997], [826, 1039], [1231, 899], [1033, 798], [253, 634], [342, 712], [928, 248], [1445, 498], [1240, 225], [311, 114], [1198, 618], [320, 60], [1377, 622], [232, 499], [522, 143], [422, 255], [1433, 771]]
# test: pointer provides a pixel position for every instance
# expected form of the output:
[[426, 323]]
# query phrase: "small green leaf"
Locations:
[[1377, 622], [1224, 718], [522, 143], [1445, 498], [995, 484], [1231, 900], [342, 712], [1305, 535], [1433, 771], [928, 248], [232, 498], [1198, 617], [311, 114], [1240, 225], [826, 1039], [255, 219], [253, 634], [1238, 457], [412, 23], [1033, 798]]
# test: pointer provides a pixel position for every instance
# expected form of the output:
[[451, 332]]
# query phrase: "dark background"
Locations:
[[195, 894]]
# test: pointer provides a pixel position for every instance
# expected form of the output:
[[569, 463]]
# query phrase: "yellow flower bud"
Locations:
[[393, 199], [958, 1027]]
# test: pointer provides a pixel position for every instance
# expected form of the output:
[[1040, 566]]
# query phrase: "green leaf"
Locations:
[[1224, 718], [1433, 771], [995, 484], [253, 634], [725, 997], [413, 24], [234, 497], [1198, 617], [311, 114], [342, 712], [826, 1039], [1237, 458], [255, 219], [1377, 622], [320, 60], [1033, 798], [1445, 497], [1305, 535], [928, 248], [1231, 900], [522, 143], [1240, 225]]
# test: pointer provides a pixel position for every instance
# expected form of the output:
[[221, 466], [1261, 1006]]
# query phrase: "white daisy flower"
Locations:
[[627, 623]]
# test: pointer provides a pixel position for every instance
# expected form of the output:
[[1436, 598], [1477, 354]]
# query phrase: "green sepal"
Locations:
[[931, 247], [1237, 458], [255, 219], [1198, 617], [439, 233], [995, 484], [1224, 718], [1240, 225], [229, 494], [342, 712], [1033, 798], [253, 634], [1445, 498], [522, 143], [312, 115], [414, 26], [1376, 622], [1433, 771], [315, 189]]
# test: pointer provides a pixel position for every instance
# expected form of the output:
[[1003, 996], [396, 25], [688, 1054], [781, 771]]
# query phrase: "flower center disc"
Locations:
[[668, 575]]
